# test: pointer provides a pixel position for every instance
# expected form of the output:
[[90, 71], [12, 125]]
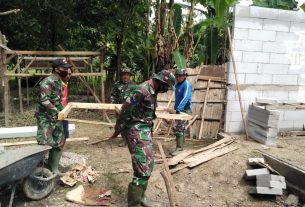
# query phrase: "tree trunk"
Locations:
[[119, 42]]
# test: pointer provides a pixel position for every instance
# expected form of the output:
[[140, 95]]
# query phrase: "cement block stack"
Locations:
[[263, 125], [266, 183]]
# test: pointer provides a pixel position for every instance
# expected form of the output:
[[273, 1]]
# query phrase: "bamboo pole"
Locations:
[[237, 85], [58, 53], [203, 109], [5, 81], [20, 91], [102, 95]]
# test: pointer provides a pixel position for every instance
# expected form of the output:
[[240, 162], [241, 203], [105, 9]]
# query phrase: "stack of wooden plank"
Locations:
[[193, 158], [263, 124]]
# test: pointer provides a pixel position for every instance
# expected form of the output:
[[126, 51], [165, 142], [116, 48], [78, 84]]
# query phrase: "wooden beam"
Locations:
[[10, 58], [53, 58], [237, 85], [169, 179], [168, 105], [92, 122], [215, 79], [192, 121], [8, 144], [51, 53], [64, 113], [203, 110]]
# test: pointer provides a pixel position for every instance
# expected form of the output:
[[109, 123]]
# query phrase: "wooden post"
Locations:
[[27, 92], [237, 85], [5, 80], [20, 90], [203, 109], [102, 94]]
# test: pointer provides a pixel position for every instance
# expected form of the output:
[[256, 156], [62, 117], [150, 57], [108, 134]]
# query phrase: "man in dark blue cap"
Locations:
[[50, 130]]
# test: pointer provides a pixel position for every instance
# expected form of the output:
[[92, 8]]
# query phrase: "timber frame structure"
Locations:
[[38, 57]]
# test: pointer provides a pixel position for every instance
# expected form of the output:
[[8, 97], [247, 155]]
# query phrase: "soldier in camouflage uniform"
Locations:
[[122, 89], [50, 130], [135, 124]]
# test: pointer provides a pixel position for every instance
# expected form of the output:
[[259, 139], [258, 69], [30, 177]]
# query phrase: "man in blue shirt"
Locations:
[[183, 103]]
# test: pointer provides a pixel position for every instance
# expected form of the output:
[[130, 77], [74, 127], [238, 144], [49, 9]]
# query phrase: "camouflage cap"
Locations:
[[180, 71], [165, 76], [126, 70]]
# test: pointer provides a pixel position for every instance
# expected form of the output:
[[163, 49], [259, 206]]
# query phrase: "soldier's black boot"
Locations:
[[134, 195], [147, 202]]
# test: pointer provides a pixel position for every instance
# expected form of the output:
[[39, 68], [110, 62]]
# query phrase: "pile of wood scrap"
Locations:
[[193, 158], [79, 172], [90, 196]]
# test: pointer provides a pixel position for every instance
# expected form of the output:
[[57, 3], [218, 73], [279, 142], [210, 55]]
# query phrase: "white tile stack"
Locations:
[[263, 124]]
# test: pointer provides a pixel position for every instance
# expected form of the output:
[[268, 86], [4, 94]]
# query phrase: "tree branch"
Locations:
[[9, 12]]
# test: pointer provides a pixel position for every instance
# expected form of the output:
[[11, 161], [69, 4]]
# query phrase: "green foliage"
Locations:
[[278, 4], [303, 7], [179, 59], [177, 18]]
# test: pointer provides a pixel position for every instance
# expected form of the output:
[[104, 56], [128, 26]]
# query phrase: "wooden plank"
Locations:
[[192, 121], [213, 70], [216, 79], [212, 155], [92, 122], [48, 74], [171, 185], [203, 111], [51, 53], [168, 105], [8, 144], [169, 189], [64, 113], [49, 59]]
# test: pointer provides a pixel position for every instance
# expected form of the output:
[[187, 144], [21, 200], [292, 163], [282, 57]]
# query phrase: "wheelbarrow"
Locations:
[[23, 165]]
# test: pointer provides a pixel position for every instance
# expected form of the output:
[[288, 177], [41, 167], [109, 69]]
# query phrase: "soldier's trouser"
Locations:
[[49, 132], [141, 151], [179, 126]]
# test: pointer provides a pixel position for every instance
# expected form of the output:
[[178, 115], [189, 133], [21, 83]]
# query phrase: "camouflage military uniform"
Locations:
[[135, 124], [121, 91], [50, 130]]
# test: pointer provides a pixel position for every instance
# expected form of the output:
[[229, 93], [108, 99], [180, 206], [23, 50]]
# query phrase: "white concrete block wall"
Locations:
[[269, 48]]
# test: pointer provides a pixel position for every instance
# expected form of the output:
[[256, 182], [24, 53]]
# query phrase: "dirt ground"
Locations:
[[219, 182]]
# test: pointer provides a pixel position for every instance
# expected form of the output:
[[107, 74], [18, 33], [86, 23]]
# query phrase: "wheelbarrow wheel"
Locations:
[[35, 189]]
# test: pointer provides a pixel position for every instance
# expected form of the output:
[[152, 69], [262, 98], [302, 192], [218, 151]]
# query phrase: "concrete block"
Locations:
[[286, 37], [282, 96], [280, 58], [266, 191], [251, 174], [285, 79], [275, 25], [233, 106], [241, 78], [1, 149], [261, 35], [238, 55], [285, 125], [298, 125], [291, 16], [266, 114], [253, 161], [228, 116], [240, 34], [264, 124], [248, 95], [248, 23], [258, 79], [276, 47], [265, 101], [256, 57], [242, 11], [271, 184], [301, 79], [248, 45], [275, 68], [296, 69], [235, 126], [294, 115], [243, 67], [271, 177], [236, 116], [297, 27], [292, 200], [261, 12], [265, 132], [260, 109], [297, 96], [232, 95]]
